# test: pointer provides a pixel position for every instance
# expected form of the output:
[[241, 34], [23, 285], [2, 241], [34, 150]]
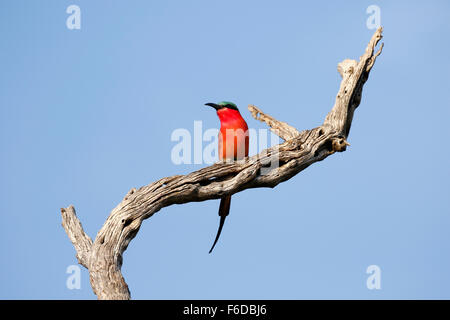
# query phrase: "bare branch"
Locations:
[[281, 129], [80, 240], [354, 75], [103, 258]]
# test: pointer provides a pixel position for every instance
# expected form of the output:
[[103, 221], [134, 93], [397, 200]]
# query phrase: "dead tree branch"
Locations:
[[103, 257]]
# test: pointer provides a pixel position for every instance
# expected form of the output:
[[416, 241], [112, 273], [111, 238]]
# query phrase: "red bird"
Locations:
[[233, 145]]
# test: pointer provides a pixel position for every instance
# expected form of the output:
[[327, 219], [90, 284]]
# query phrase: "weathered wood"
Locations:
[[281, 129], [354, 75], [81, 241], [103, 257]]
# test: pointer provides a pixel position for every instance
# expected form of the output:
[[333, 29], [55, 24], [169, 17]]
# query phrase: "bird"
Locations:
[[233, 145]]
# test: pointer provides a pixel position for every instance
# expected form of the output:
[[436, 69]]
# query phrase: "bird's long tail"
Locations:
[[224, 209]]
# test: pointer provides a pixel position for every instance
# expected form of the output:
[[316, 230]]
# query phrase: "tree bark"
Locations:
[[103, 256]]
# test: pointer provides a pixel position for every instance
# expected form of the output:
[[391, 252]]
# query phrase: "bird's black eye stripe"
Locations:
[[230, 106]]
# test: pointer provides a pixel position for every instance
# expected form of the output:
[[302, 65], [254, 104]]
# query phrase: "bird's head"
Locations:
[[226, 111], [223, 105]]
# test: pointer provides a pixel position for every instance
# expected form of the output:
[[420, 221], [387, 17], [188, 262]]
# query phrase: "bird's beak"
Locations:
[[215, 106]]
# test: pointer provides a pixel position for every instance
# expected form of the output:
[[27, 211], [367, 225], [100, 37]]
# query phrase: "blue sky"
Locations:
[[85, 115]]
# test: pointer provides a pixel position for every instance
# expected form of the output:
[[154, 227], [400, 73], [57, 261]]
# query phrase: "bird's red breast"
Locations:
[[233, 135]]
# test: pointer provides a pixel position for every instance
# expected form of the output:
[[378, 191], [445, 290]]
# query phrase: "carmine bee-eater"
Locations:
[[233, 145]]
